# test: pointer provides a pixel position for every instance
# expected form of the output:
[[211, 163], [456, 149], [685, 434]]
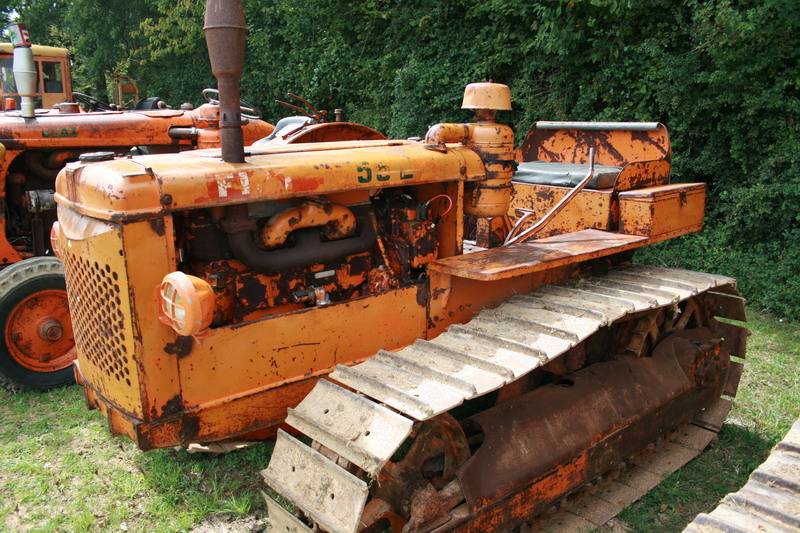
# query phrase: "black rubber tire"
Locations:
[[17, 282], [147, 103]]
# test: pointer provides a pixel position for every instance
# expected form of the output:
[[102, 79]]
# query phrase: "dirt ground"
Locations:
[[223, 523]]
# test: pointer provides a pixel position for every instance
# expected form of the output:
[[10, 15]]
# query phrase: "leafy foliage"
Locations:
[[722, 74]]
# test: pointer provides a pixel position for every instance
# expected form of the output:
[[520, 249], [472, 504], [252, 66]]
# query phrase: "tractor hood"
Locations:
[[149, 186], [52, 130]]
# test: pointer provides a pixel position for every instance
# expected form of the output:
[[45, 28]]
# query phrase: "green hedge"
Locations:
[[723, 75]]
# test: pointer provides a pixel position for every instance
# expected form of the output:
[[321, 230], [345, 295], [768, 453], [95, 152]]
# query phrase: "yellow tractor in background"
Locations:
[[453, 322], [53, 83]]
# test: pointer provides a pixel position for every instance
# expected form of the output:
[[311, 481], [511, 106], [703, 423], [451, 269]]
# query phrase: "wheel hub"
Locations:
[[50, 330], [38, 332]]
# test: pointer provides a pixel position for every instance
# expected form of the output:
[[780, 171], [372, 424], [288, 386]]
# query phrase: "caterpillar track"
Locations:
[[769, 501], [389, 452]]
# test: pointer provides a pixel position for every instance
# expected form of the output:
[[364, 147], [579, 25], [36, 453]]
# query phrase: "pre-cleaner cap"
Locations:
[[487, 95]]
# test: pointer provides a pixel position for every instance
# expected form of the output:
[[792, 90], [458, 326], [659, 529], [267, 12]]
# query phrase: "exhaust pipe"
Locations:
[[225, 37], [24, 68]]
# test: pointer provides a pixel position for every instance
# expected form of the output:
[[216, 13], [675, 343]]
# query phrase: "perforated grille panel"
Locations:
[[98, 318], [95, 268]]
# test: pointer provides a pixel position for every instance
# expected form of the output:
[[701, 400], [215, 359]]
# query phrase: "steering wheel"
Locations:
[[247, 109], [90, 102]]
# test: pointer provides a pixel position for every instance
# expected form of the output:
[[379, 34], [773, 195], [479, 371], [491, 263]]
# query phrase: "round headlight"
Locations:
[[186, 303]]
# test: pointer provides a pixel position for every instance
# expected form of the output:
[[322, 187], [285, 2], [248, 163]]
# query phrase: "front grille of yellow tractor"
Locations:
[[100, 307], [99, 322]]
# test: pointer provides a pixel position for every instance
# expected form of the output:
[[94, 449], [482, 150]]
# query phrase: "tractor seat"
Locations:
[[283, 124], [565, 174]]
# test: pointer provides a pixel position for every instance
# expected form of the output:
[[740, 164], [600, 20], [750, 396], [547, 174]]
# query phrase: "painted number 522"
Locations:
[[365, 174]]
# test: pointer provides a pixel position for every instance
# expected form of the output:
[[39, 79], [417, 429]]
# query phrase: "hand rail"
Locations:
[[514, 238], [598, 126]]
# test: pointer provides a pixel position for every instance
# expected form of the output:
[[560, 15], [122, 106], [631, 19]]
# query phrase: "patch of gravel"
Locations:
[[226, 523]]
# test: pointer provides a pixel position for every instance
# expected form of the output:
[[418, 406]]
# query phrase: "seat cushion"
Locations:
[[565, 174]]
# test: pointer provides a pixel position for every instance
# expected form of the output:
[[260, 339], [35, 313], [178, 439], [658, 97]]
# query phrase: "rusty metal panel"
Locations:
[[591, 209], [734, 339], [712, 417], [113, 129], [612, 146], [662, 210], [727, 305], [297, 345], [576, 426], [544, 254], [331, 496], [639, 174], [734, 376]]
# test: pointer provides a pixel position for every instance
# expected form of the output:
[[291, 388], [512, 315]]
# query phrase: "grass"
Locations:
[[60, 470]]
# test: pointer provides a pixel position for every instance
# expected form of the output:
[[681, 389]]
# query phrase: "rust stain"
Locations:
[[181, 347]]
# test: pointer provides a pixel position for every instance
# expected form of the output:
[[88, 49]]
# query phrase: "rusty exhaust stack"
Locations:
[[225, 37]]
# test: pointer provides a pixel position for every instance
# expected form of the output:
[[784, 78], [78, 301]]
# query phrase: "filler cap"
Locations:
[[91, 157]]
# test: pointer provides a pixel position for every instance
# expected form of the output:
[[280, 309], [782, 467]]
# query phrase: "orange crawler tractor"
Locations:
[[488, 347], [36, 338]]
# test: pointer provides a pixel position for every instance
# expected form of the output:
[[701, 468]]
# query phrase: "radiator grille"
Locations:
[[98, 318]]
